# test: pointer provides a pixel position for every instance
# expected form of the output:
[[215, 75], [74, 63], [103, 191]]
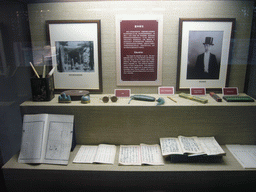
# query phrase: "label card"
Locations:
[[230, 91], [197, 91], [122, 92], [166, 90]]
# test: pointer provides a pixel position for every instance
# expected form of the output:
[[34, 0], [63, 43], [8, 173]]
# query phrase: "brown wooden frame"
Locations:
[[98, 35]]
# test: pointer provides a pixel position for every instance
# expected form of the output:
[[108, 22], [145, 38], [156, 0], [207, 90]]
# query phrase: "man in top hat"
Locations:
[[206, 64]]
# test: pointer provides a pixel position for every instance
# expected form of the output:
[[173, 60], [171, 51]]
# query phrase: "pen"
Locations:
[[44, 71], [172, 99], [34, 69], [51, 72]]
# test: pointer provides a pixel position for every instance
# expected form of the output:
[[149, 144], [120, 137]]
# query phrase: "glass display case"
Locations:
[[99, 56]]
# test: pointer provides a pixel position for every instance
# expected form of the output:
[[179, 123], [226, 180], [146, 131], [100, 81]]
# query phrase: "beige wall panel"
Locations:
[[143, 122], [171, 11]]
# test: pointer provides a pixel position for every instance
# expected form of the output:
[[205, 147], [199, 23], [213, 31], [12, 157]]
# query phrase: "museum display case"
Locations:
[[137, 47]]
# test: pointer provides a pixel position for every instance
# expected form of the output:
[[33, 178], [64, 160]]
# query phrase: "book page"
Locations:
[[244, 154], [59, 139], [129, 155], [251, 150], [151, 155], [190, 145], [85, 154], [105, 154], [32, 138], [210, 146], [170, 146]]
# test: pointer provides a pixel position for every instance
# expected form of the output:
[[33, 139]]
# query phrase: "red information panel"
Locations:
[[230, 91], [122, 92], [197, 91], [139, 42], [166, 90]]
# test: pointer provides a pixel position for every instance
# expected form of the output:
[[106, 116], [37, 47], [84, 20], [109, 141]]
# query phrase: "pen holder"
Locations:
[[42, 88]]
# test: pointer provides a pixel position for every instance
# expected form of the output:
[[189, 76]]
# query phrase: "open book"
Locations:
[[190, 145], [140, 154], [46, 138], [102, 153]]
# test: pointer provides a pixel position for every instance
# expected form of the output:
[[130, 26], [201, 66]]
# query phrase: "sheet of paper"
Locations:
[[32, 138], [151, 154], [105, 154], [85, 154], [245, 154], [190, 145], [170, 146], [251, 149], [59, 139], [210, 146], [129, 155]]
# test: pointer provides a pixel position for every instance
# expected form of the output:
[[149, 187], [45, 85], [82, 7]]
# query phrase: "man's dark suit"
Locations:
[[214, 68]]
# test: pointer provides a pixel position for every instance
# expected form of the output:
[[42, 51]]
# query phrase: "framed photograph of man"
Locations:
[[76, 54], [204, 47]]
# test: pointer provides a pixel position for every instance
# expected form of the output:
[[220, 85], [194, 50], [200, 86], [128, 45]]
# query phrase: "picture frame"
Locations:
[[76, 54], [196, 36], [139, 41]]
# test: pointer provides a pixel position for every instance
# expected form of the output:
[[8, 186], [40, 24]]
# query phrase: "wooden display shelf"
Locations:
[[22, 177], [96, 101], [142, 122]]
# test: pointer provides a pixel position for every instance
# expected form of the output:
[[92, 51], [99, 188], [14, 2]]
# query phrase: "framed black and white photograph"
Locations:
[[76, 54], [204, 49]]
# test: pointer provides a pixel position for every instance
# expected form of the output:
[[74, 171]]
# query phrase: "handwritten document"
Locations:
[[32, 140], [191, 146], [46, 138], [210, 146], [102, 153], [105, 154], [170, 146], [245, 154], [151, 154], [130, 155], [59, 141], [86, 154], [140, 154]]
